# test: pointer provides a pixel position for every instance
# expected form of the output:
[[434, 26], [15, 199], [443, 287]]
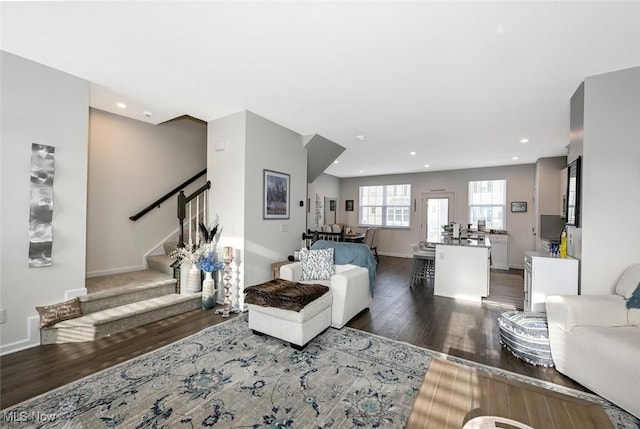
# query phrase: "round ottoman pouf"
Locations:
[[526, 335]]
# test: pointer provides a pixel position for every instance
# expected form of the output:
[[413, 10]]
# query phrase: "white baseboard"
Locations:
[[115, 271], [70, 294], [32, 340]]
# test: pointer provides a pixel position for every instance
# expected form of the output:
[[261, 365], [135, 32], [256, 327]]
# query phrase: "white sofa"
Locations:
[[349, 287], [595, 340]]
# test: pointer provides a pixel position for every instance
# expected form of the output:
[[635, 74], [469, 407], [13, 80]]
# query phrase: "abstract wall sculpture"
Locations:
[[41, 205]]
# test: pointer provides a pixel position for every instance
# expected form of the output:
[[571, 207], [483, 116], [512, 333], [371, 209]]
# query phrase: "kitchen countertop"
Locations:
[[465, 242], [543, 254], [490, 232]]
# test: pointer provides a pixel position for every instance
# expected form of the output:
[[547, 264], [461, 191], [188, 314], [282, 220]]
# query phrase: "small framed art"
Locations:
[[518, 206], [348, 206], [276, 195]]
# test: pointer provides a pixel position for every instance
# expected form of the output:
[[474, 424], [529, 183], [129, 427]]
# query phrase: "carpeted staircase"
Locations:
[[118, 302]]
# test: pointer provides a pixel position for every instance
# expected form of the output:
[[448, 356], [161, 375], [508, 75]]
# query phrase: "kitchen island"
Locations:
[[462, 268]]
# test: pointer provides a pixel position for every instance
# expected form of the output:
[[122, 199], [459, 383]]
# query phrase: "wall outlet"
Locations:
[[2, 315], [284, 227]]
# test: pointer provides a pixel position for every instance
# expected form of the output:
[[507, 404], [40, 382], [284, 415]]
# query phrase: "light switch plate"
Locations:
[[2, 315]]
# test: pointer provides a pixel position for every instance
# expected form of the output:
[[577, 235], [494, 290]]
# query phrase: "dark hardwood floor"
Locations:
[[410, 314]]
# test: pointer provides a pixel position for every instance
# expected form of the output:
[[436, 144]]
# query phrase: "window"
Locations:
[[385, 205], [488, 201]]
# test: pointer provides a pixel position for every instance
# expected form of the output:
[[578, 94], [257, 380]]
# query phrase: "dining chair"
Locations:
[[370, 240]]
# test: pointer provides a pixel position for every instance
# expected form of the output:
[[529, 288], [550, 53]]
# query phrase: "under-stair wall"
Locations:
[[132, 163]]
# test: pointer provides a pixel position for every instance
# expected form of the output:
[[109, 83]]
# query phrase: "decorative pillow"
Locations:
[[634, 300], [317, 264], [52, 314], [628, 281]]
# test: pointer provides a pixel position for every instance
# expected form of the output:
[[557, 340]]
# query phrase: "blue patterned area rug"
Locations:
[[226, 377]]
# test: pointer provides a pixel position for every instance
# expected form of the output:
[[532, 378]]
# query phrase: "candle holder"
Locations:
[[227, 276]]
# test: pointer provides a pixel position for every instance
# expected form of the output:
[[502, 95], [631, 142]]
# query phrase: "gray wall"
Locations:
[[610, 179], [246, 145], [273, 147], [396, 241], [40, 105], [325, 185], [131, 164]]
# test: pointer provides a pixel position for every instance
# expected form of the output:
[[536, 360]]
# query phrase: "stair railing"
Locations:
[[186, 211], [165, 197]]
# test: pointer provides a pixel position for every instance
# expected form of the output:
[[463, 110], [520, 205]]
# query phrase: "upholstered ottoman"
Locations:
[[297, 327], [526, 335]]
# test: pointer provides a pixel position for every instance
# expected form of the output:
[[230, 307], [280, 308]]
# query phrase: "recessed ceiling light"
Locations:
[[524, 140], [426, 166], [121, 105], [361, 171], [336, 161], [515, 158], [360, 137], [413, 152]]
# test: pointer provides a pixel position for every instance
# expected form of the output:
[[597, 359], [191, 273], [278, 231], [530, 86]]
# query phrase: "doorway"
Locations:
[[438, 210]]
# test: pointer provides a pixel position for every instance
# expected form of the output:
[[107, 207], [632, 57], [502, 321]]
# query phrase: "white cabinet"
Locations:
[[544, 276], [462, 272], [499, 251]]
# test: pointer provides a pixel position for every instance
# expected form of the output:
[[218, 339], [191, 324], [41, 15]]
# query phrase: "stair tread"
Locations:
[[114, 313], [118, 283]]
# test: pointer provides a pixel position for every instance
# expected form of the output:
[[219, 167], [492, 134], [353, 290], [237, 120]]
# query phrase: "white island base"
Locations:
[[462, 270]]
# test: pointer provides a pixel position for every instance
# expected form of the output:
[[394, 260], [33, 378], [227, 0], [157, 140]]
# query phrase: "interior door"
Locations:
[[438, 210]]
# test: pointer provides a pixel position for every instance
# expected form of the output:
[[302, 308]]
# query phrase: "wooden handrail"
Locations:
[[168, 195]]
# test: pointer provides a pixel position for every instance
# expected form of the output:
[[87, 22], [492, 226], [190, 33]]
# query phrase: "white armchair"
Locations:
[[349, 286], [595, 339]]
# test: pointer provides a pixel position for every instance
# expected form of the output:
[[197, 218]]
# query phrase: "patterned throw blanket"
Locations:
[[283, 294]]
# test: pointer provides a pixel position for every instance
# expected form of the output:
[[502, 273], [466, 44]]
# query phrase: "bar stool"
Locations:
[[424, 263]]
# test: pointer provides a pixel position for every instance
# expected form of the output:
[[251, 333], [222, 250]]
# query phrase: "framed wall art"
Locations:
[[276, 191], [518, 206], [348, 205]]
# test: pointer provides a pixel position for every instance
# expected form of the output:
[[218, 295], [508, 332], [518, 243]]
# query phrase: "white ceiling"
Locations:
[[459, 83]]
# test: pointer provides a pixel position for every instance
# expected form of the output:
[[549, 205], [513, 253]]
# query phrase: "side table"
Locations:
[[275, 268]]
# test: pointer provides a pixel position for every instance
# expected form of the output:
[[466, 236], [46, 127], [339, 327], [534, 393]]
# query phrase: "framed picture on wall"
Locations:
[[276, 195], [348, 205], [518, 206]]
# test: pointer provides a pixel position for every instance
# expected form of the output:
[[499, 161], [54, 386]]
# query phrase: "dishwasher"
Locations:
[[499, 251]]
